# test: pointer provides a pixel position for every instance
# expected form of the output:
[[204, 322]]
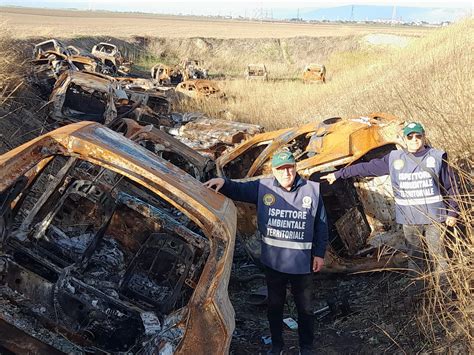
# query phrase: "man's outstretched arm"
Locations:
[[238, 191], [375, 167]]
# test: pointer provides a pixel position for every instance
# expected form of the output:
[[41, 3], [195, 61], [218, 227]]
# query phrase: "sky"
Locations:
[[435, 9]]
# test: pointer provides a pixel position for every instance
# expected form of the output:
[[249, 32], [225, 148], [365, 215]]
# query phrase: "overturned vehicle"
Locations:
[[363, 232], [106, 248]]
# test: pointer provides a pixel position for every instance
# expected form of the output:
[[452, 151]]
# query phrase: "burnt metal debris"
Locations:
[[166, 75], [168, 147], [108, 248], [200, 89], [51, 58], [256, 72], [314, 73], [109, 241], [364, 235], [213, 137], [188, 69], [79, 96], [111, 58], [194, 69]]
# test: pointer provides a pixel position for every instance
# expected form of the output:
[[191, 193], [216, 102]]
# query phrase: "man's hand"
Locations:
[[330, 178], [317, 263], [451, 221], [215, 183]]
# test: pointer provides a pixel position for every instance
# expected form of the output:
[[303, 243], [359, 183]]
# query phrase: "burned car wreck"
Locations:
[[111, 58], [47, 65], [106, 248], [79, 96], [363, 232], [168, 148], [200, 89]]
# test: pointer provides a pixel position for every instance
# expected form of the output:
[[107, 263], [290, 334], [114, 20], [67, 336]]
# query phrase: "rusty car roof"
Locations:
[[277, 140], [347, 138], [350, 138]]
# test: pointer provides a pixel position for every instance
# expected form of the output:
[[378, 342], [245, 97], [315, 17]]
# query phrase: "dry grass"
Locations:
[[429, 81], [10, 63], [447, 313], [21, 116]]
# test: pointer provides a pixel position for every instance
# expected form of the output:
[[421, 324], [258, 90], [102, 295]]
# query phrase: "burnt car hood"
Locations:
[[209, 320]]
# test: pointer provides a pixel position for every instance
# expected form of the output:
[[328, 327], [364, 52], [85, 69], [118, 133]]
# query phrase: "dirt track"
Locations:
[[24, 23]]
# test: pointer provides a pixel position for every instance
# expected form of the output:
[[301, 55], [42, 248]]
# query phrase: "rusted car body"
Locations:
[[256, 72], [313, 73], [79, 96], [107, 248], [194, 69], [166, 75], [212, 137], [49, 65], [168, 148], [51, 45], [200, 89], [111, 58], [360, 211]]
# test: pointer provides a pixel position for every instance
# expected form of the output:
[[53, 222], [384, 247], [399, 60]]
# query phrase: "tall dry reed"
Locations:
[[446, 317]]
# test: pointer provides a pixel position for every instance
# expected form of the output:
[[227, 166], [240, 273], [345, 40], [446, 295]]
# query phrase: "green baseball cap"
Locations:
[[283, 158], [413, 127]]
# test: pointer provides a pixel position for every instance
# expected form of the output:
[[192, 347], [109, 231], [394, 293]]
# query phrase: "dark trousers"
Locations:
[[301, 287]]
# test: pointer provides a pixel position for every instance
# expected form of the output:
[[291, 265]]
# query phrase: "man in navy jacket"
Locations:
[[292, 223], [423, 187]]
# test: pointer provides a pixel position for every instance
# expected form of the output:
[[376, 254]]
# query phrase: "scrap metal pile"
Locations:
[[109, 241]]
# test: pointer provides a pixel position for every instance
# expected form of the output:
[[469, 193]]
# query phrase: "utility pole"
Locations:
[[352, 13], [298, 14], [394, 14]]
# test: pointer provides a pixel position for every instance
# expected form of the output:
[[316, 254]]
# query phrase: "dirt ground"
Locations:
[[25, 22], [380, 319]]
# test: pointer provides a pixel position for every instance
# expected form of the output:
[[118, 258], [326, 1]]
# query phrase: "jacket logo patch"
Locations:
[[307, 202], [430, 162], [398, 164], [268, 199]]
